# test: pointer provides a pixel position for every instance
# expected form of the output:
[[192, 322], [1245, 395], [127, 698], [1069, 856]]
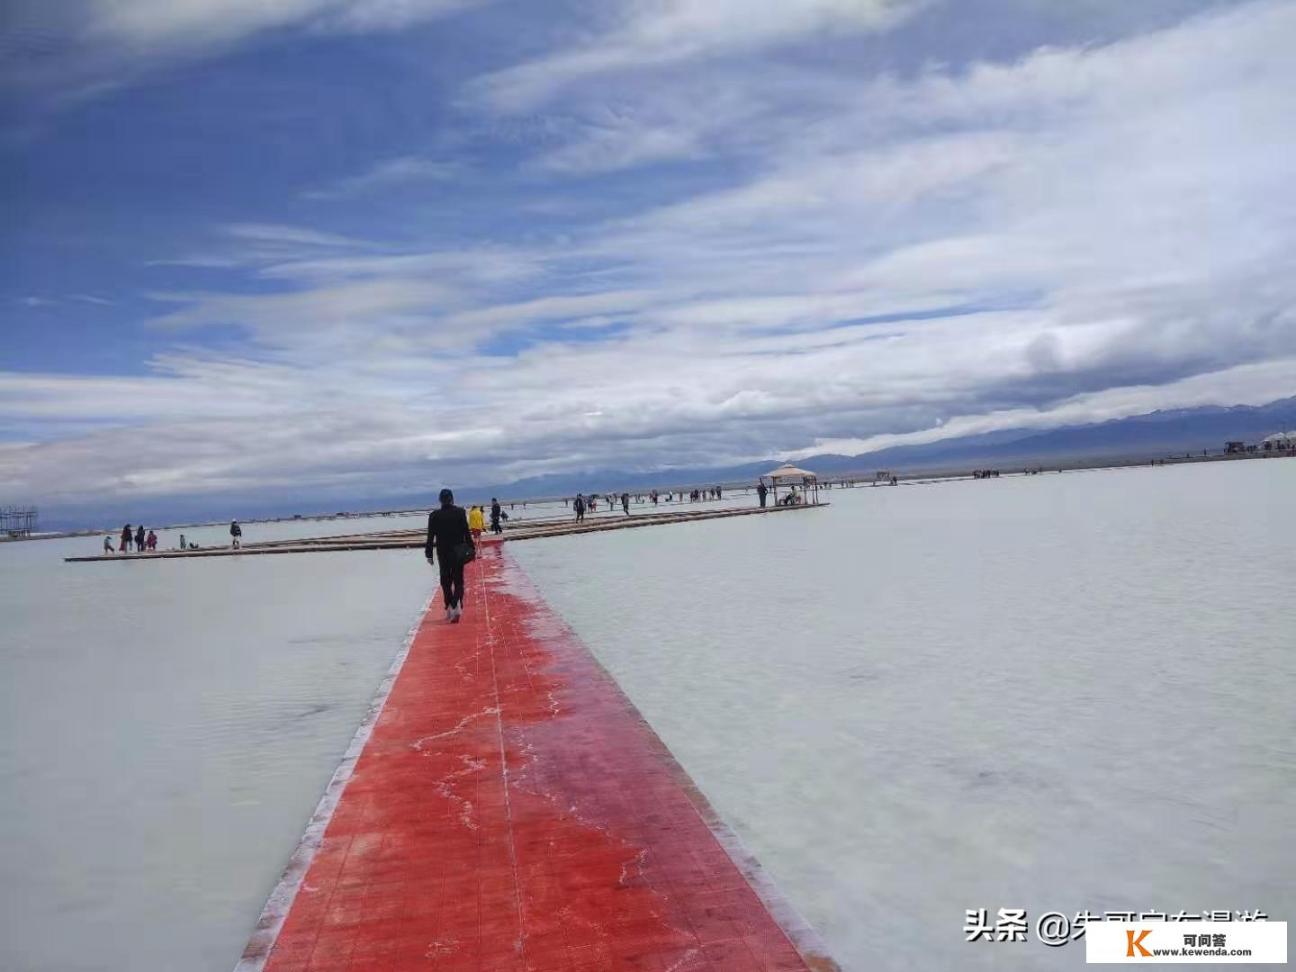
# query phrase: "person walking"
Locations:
[[152, 541], [496, 513], [236, 534], [761, 491], [578, 504], [476, 522], [450, 538], [625, 503], [108, 547], [139, 540], [183, 542], [126, 539]]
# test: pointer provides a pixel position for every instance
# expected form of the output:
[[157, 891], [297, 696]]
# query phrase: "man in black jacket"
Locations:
[[447, 537]]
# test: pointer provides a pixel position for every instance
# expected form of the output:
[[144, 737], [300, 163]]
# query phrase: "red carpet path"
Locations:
[[509, 811]]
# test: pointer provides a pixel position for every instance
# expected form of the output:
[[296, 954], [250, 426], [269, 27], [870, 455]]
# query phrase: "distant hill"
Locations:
[[1154, 434], [1178, 430]]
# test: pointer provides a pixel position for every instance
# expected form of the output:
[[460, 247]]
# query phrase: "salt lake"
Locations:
[[1058, 692]]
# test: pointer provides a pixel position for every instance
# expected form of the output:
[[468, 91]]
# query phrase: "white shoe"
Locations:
[[449, 614], [456, 615]]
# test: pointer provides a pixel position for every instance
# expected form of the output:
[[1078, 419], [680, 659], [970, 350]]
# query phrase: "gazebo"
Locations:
[[791, 476]]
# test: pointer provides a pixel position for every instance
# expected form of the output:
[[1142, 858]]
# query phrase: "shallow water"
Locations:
[[1060, 692], [166, 731]]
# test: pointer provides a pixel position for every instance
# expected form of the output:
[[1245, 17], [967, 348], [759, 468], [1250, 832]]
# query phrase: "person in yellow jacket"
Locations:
[[476, 521]]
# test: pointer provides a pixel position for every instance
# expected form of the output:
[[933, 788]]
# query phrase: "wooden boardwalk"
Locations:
[[412, 539]]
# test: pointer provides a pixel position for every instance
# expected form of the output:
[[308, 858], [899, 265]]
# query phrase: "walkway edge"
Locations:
[[285, 891]]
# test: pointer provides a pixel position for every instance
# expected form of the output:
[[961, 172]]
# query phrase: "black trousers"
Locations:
[[452, 581]]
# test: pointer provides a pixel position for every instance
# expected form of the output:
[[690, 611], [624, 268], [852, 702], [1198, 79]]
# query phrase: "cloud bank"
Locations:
[[741, 252]]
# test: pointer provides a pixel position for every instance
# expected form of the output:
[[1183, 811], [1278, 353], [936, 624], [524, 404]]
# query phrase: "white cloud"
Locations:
[[651, 33], [189, 24], [1108, 230], [270, 233], [84, 49], [618, 142], [402, 170]]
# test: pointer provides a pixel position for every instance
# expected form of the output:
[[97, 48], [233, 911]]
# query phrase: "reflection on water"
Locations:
[[1060, 692]]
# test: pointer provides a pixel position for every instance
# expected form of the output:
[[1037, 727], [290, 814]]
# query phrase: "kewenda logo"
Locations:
[[1132, 943]]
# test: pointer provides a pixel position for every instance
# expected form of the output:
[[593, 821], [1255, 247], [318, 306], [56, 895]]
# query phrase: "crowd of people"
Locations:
[[580, 504], [139, 540], [142, 541]]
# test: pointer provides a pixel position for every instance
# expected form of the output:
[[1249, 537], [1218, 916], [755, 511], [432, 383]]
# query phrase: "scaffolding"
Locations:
[[17, 521]]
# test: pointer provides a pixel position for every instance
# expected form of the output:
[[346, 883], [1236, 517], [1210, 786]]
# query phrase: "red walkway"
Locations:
[[511, 811]]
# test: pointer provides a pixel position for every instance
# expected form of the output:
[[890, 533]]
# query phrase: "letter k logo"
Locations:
[[1134, 943]]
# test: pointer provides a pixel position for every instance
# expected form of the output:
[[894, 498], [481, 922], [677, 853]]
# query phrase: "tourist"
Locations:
[[236, 534], [625, 503], [139, 540], [761, 491], [126, 539], [578, 504], [450, 538], [182, 541], [152, 541], [108, 547], [496, 526], [476, 522]]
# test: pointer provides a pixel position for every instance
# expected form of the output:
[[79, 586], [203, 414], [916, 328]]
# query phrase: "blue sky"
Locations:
[[366, 247]]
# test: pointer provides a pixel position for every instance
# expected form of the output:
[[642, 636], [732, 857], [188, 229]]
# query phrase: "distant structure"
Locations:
[[17, 521], [790, 476]]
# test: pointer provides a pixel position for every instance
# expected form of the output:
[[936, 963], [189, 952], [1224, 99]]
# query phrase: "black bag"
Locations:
[[466, 553]]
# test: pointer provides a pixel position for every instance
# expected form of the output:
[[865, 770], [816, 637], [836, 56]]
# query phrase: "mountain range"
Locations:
[[1153, 434], [1141, 436]]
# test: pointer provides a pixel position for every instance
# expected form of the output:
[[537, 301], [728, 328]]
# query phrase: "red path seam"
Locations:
[[512, 812]]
